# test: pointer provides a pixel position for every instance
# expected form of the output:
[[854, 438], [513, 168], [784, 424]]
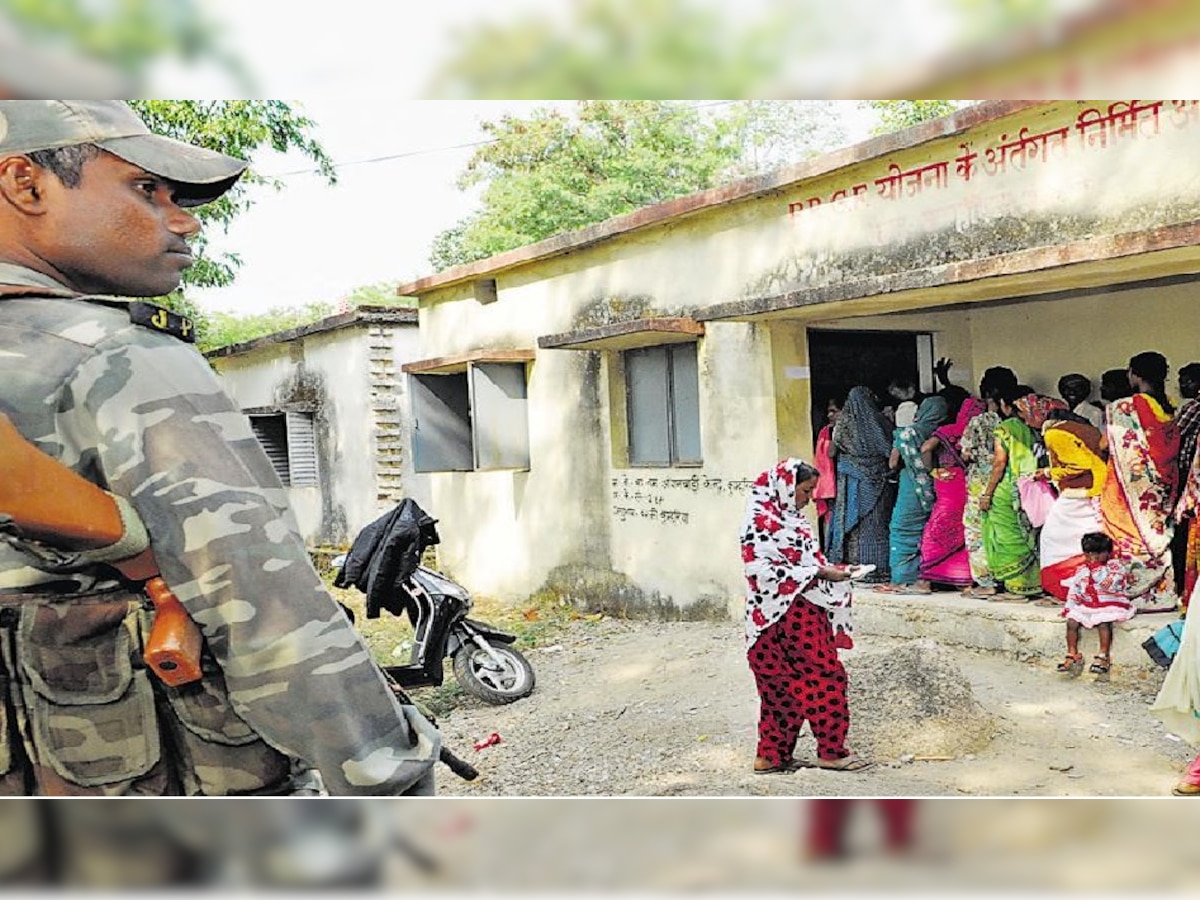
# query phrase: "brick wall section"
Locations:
[[386, 412]]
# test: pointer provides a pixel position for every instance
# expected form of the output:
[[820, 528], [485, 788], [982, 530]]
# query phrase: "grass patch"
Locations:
[[538, 621], [440, 700]]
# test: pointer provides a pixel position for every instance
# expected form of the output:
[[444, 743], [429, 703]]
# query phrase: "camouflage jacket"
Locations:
[[141, 414]]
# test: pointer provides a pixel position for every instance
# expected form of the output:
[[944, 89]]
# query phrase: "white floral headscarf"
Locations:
[[782, 556]]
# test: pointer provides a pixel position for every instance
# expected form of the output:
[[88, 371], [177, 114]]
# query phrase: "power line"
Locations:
[[430, 150], [390, 156]]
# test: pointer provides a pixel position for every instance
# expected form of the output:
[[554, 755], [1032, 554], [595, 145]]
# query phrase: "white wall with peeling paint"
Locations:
[[350, 494]]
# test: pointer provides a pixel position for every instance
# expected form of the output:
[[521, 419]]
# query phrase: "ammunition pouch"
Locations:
[[97, 717]]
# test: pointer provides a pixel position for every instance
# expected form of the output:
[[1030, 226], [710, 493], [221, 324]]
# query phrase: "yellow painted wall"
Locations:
[[1043, 340], [670, 535]]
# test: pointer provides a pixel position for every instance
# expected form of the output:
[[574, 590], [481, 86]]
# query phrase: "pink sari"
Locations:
[[944, 557], [826, 488]]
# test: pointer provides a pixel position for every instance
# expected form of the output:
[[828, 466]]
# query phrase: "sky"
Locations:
[[356, 73], [397, 165], [315, 242], [357, 67], [354, 67]]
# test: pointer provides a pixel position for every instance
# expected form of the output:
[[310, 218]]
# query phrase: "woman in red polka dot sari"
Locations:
[[797, 617]]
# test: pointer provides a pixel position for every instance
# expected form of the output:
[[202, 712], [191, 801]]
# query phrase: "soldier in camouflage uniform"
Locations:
[[92, 205]]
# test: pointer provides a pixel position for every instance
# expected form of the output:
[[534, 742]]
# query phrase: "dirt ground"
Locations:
[[669, 709]]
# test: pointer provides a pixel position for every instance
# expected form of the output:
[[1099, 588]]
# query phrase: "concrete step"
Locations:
[[1022, 631]]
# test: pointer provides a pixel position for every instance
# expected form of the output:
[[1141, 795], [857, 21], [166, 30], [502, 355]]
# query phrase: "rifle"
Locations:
[[55, 512], [448, 757]]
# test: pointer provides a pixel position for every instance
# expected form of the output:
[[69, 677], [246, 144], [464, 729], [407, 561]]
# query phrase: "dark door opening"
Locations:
[[840, 360]]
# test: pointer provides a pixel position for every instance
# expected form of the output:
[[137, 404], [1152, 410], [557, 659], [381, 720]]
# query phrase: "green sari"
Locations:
[[1008, 538]]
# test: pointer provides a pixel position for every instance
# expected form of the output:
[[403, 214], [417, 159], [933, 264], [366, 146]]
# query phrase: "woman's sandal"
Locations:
[[1072, 665], [851, 763], [1100, 666], [979, 593], [790, 765], [1007, 597]]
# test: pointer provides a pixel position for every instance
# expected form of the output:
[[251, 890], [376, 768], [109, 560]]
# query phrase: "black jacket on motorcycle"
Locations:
[[384, 554]]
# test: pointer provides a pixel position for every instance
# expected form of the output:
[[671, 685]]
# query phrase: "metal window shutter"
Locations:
[[685, 405], [649, 408], [500, 416], [441, 435], [272, 437], [301, 449]]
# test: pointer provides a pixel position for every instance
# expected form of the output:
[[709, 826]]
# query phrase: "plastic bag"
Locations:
[[1037, 497], [1163, 645]]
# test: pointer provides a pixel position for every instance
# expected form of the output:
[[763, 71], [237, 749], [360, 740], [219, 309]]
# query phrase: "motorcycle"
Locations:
[[485, 663]]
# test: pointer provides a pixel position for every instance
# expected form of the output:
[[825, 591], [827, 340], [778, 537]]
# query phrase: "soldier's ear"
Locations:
[[21, 184]]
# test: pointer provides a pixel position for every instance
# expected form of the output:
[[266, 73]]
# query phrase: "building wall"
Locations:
[[503, 532], [664, 541], [1043, 340], [389, 411], [350, 378]]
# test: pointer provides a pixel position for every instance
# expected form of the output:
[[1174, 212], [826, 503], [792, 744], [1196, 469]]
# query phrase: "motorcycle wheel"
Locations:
[[479, 675]]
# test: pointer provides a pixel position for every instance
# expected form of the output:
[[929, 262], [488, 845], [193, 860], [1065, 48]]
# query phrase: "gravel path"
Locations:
[[669, 709]]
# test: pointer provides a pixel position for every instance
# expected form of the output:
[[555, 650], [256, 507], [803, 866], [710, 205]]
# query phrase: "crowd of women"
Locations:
[[992, 495], [1012, 495]]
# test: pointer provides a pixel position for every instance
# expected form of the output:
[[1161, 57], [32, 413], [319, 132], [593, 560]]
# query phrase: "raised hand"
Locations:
[[942, 370]]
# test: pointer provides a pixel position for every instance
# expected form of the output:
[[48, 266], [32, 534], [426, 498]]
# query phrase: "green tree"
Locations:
[[626, 49], [225, 328], [382, 293], [128, 36], [769, 134], [551, 172], [896, 115]]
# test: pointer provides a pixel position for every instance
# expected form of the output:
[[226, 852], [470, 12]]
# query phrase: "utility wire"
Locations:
[[390, 156], [429, 150]]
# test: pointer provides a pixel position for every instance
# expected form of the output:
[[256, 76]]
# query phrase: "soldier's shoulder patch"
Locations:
[[162, 319]]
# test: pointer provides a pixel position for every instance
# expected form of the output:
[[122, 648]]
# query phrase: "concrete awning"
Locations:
[[626, 335], [444, 365], [1168, 251]]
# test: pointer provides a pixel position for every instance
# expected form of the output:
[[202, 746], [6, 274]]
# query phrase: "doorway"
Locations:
[[839, 360]]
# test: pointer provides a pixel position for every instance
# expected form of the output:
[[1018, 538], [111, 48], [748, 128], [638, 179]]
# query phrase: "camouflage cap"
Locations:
[[28, 125]]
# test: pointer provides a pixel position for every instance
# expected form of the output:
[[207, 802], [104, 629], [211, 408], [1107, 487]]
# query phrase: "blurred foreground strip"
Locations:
[[570, 845]]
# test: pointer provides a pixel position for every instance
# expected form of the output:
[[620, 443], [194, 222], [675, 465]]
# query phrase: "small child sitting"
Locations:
[[1097, 596]]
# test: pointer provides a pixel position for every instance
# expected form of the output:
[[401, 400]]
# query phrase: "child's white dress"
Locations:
[[1099, 592]]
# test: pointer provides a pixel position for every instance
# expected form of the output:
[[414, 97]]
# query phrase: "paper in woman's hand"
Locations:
[[857, 572]]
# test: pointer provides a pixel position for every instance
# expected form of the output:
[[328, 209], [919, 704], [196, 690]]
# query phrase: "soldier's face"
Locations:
[[118, 232]]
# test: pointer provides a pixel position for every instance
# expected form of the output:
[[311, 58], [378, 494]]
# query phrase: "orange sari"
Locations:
[[1139, 497]]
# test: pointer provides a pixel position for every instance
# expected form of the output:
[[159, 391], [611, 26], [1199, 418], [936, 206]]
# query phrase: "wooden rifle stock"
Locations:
[[52, 504]]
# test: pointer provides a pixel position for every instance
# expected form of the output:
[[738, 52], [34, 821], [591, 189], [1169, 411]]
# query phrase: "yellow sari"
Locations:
[[1078, 470]]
